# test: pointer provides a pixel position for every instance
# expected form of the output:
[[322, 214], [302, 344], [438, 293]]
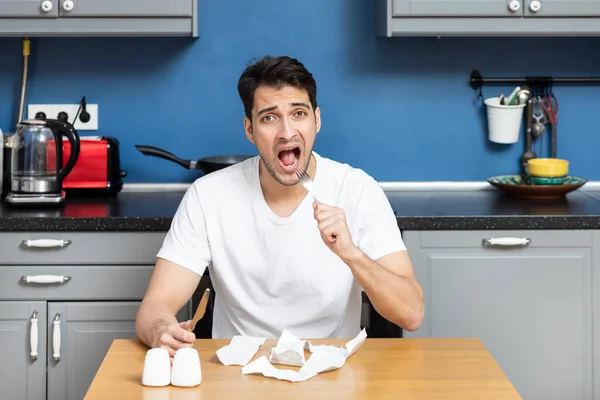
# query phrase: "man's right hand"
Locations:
[[170, 288], [175, 337]]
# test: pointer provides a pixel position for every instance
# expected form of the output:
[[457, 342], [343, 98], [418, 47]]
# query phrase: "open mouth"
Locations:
[[289, 157]]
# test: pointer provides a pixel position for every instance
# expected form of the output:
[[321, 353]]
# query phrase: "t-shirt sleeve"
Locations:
[[379, 234], [186, 242]]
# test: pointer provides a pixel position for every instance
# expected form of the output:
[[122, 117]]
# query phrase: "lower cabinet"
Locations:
[[63, 300], [79, 335], [23, 366], [67, 339], [528, 295]]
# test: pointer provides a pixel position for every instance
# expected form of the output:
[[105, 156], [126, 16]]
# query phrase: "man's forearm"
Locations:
[[152, 319], [397, 298]]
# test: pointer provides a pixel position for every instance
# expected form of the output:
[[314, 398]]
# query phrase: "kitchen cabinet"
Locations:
[[487, 18], [126, 8], [98, 18], [530, 301], [65, 296], [22, 376], [28, 8]]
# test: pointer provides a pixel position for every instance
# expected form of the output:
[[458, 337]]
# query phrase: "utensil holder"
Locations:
[[504, 122]]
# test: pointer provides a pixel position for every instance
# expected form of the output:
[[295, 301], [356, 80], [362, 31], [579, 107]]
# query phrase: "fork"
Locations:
[[307, 182]]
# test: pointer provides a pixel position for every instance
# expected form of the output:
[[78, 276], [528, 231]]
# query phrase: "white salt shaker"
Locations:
[[157, 368], [186, 371]]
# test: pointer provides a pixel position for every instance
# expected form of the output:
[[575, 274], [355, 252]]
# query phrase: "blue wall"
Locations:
[[399, 108]]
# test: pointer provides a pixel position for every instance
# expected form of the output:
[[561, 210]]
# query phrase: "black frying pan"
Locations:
[[206, 164]]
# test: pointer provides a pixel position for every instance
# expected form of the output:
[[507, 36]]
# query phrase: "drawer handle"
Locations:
[[33, 336], [506, 241], [46, 243], [46, 278], [56, 337]]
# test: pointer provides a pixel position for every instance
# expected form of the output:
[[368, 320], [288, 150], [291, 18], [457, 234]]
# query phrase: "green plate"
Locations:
[[514, 185]]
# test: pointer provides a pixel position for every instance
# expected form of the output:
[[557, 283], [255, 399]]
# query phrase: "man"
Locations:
[[277, 259]]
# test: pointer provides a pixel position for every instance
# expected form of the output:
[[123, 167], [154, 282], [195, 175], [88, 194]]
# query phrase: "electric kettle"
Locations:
[[37, 156]]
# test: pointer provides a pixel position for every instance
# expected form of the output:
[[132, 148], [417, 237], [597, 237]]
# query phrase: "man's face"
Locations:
[[283, 129]]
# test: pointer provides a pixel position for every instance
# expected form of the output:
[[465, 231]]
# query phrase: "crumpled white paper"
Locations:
[[240, 350], [290, 351], [349, 348]]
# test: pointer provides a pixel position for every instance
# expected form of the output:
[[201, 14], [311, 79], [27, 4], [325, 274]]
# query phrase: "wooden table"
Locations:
[[398, 369]]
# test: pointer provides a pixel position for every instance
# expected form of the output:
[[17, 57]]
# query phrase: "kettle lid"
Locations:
[[33, 122]]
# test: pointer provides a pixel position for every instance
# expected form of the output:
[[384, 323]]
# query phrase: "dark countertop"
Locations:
[[415, 210], [491, 209]]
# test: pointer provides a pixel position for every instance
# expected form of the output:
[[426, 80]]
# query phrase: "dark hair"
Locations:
[[275, 72]]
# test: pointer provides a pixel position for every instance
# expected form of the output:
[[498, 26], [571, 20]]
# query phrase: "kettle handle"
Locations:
[[69, 131]]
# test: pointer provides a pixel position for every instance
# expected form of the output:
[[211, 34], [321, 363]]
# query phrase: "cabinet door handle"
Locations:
[[535, 6], [46, 278], [46, 243], [33, 336], [68, 5], [47, 6], [506, 241], [56, 337]]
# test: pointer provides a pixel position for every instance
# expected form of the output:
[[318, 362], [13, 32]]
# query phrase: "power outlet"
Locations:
[[52, 111]]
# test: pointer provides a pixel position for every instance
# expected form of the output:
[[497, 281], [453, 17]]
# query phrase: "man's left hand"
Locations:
[[334, 230]]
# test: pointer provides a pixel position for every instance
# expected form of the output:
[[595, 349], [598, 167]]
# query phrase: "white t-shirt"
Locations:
[[271, 273]]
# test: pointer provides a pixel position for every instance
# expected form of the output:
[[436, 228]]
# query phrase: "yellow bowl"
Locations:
[[548, 167]]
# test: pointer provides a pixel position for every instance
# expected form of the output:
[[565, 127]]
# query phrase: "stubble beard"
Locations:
[[271, 165]]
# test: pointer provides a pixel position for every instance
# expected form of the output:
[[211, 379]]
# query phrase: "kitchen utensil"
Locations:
[[548, 167], [538, 127], [37, 170], [512, 97], [528, 153], [207, 164], [550, 106], [523, 96], [307, 182], [516, 186], [200, 310]]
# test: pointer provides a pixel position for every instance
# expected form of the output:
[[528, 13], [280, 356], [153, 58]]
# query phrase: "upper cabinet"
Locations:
[[451, 8], [488, 17], [98, 18], [27, 8], [126, 8]]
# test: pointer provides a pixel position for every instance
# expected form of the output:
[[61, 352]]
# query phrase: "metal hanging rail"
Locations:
[[477, 80]]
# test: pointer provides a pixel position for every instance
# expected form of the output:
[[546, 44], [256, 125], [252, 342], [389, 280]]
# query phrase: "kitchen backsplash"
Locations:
[[401, 108]]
